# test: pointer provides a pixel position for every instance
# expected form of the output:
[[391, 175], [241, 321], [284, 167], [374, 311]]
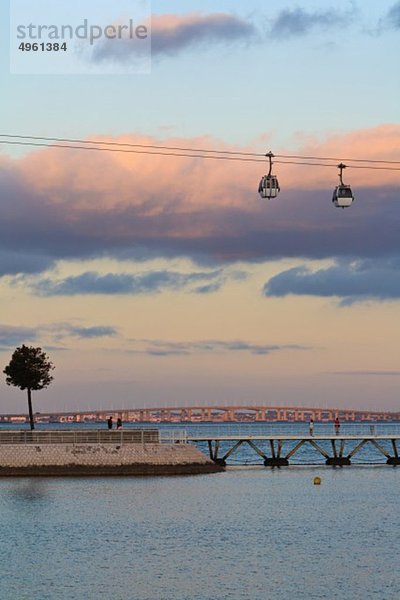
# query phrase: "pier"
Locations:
[[135, 452], [277, 450]]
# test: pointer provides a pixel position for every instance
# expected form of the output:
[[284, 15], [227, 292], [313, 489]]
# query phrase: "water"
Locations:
[[248, 534]]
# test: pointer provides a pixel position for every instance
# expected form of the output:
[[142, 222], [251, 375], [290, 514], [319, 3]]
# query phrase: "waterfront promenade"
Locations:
[[91, 452], [190, 448]]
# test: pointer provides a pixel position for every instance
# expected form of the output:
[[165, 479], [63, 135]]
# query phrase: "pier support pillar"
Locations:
[[276, 462], [338, 461]]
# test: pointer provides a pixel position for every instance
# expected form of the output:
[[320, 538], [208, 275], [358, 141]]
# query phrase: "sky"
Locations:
[[167, 281]]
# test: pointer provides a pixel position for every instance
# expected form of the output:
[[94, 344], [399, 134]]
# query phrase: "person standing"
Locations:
[[337, 426], [311, 425], [110, 423], [119, 423]]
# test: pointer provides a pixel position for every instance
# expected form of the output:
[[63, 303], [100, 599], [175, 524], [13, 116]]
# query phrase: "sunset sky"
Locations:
[[155, 280]]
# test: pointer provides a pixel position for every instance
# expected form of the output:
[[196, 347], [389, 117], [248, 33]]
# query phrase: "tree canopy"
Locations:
[[29, 369]]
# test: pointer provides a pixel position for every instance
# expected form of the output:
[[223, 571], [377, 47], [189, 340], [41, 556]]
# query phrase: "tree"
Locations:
[[29, 369]]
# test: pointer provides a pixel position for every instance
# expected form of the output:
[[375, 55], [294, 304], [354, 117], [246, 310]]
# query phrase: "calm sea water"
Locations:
[[248, 534]]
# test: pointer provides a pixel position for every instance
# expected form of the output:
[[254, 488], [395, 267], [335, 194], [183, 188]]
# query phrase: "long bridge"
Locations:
[[209, 414]]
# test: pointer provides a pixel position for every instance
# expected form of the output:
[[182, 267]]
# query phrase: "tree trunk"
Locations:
[[30, 410]]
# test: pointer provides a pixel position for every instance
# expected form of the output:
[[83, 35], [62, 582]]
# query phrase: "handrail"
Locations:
[[92, 436], [298, 430]]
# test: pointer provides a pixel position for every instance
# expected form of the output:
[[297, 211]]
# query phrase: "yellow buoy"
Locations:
[[317, 480]]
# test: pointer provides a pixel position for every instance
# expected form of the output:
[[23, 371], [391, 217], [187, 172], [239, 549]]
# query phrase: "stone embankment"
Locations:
[[41, 457]]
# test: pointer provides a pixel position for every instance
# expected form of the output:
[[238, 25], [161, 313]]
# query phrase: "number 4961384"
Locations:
[[42, 47]]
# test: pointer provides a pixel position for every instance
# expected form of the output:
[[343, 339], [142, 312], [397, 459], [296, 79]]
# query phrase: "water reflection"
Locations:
[[27, 492]]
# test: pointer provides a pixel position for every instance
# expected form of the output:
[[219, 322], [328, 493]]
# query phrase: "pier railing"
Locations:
[[276, 430], [92, 436]]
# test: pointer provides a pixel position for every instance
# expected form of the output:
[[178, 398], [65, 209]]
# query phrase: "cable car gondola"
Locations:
[[342, 194], [269, 186]]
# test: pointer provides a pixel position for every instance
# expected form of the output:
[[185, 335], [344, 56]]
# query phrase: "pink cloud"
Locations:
[[381, 142], [101, 180], [100, 201]]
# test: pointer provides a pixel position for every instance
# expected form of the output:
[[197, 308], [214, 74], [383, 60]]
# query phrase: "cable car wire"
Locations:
[[318, 164], [364, 160], [129, 151], [131, 145], [149, 149], [191, 149]]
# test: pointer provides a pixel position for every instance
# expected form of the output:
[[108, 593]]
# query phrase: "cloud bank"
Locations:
[[352, 282], [69, 204], [151, 282], [392, 18], [170, 348], [298, 22], [12, 336], [173, 34], [92, 332]]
